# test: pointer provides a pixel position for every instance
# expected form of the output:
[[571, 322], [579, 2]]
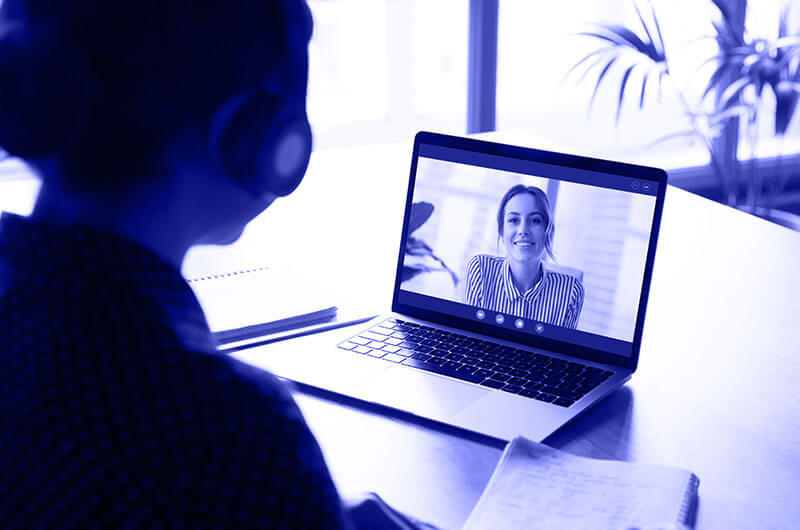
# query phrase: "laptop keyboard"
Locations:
[[532, 375]]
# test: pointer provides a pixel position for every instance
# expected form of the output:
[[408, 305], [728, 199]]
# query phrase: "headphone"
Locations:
[[262, 140]]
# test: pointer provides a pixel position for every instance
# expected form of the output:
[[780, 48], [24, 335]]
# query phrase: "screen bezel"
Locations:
[[548, 157]]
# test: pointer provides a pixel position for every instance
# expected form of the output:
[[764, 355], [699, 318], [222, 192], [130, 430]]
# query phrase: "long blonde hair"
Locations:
[[544, 202]]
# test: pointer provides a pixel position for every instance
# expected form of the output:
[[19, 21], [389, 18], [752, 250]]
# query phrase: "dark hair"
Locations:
[[100, 87], [544, 203]]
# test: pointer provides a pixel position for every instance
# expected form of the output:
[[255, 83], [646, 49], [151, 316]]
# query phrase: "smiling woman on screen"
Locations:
[[519, 284]]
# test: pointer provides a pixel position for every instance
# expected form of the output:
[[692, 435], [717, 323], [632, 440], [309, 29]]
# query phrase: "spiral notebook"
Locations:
[[261, 302], [536, 486]]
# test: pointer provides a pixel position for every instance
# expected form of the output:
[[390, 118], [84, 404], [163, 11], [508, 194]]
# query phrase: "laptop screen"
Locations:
[[531, 244]]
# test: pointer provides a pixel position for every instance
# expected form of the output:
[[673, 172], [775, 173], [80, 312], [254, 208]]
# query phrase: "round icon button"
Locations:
[[646, 186], [635, 185], [480, 314], [499, 319], [519, 323], [539, 328]]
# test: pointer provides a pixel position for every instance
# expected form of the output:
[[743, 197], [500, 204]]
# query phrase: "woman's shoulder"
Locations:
[[573, 283], [485, 260]]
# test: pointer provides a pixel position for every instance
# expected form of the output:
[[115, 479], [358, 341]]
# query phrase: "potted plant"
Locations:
[[419, 257], [730, 109]]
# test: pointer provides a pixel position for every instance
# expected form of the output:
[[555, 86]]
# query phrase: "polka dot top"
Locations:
[[116, 410]]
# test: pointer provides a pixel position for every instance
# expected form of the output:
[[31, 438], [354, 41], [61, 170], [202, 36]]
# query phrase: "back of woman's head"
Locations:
[[99, 88]]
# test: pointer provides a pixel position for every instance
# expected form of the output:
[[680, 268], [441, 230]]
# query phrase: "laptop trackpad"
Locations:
[[420, 393]]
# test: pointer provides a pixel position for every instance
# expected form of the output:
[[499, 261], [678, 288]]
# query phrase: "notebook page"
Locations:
[[256, 296], [536, 486]]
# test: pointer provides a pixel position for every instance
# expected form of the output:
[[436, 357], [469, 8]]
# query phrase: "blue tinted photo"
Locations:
[[552, 251]]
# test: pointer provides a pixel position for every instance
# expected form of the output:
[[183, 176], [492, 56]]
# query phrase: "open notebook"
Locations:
[[536, 486]]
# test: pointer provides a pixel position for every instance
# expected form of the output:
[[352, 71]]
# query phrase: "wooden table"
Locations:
[[718, 385]]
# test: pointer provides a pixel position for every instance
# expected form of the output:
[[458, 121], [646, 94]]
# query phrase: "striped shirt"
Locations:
[[556, 299]]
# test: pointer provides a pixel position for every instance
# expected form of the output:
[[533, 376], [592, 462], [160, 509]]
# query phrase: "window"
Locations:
[[380, 70], [539, 42]]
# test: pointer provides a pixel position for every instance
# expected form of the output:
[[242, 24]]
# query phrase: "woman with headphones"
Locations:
[[154, 126], [519, 284]]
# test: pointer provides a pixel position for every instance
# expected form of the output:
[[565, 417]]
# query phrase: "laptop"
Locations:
[[520, 291]]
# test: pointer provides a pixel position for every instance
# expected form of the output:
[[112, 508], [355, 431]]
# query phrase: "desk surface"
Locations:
[[716, 390]]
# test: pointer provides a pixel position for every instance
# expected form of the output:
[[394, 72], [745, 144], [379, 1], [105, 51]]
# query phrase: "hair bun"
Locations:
[[46, 90]]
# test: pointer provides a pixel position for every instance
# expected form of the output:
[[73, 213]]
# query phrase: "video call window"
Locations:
[[546, 250]]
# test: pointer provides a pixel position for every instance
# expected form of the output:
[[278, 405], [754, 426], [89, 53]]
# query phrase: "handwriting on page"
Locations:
[[536, 486]]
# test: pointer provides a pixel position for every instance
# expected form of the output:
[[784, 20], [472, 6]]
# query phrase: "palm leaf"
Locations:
[[410, 271], [787, 56], [658, 49], [417, 247], [750, 60], [787, 42], [733, 90], [608, 34], [786, 97], [622, 85], [636, 42], [672, 136], [739, 110], [728, 64], [726, 36], [698, 39], [626, 38], [597, 61], [603, 73], [783, 22], [719, 28], [594, 54], [658, 32], [736, 54], [792, 43], [420, 212], [743, 50], [715, 79], [645, 77], [789, 86], [623, 40]]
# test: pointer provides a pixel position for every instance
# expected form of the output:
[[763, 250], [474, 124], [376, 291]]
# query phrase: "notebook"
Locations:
[[501, 321], [255, 302], [536, 486]]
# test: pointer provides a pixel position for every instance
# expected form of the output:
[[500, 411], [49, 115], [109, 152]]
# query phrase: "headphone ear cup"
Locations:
[[283, 156], [263, 143]]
